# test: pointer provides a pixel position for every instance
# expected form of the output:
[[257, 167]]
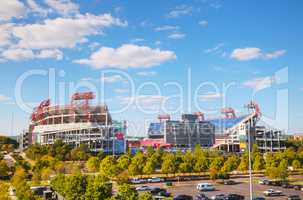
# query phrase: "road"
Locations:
[[189, 188]]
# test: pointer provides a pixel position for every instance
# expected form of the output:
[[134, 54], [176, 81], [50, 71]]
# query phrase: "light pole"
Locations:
[[249, 160]]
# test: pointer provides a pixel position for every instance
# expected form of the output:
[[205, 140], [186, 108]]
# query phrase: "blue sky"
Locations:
[[199, 46]]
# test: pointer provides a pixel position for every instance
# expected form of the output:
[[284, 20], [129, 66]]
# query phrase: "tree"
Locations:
[[4, 169], [19, 176], [296, 164], [258, 163], [169, 164], [58, 183], [213, 173], [108, 167], [4, 191], [231, 164], [283, 173], [19, 182], [36, 151], [149, 167], [243, 166], [270, 160], [122, 177], [80, 153], [101, 155], [150, 152], [98, 188], [145, 196], [217, 163], [137, 164], [93, 163], [60, 150], [75, 187], [188, 163], [201, 161], [279, 172], [123, 162], [125, 192]]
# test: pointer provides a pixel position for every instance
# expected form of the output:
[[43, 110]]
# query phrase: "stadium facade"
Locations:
[[75, 124], [181, 134]]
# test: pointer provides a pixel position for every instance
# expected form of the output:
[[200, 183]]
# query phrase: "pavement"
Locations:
[[242, 188]]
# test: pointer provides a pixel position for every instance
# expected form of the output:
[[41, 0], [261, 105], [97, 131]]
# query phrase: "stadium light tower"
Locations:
[[255, 116]]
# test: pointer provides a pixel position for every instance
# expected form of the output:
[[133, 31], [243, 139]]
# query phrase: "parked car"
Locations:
[[157, 191], [38, 190], [287, 185], [154, 180], [263, 182], [201, 197], [276, 183], [297, 187], [137, 181], [183, 197], [164, 194], [205, 187], [272, 192], [229, 182], [218, 197], [234, 197], [143, 188], [258, 198], [293, 197]]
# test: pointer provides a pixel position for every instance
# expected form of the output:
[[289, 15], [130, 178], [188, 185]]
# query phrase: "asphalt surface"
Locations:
[[242, 188]]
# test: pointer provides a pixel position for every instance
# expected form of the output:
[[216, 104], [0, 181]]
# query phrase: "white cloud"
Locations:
[[35, 8], [275, 54], [11, 9], [250, 53], [143, 100], [26, 54], [18, 54], [63, 32], [210, 96], [176, 36], [5, 34], [4, 98], [179, 11], [203, 23], [112, 79], [146, 73], [127, 56], [215, 49], [259, 83], [167, 28], [63, 7], [50, 53]]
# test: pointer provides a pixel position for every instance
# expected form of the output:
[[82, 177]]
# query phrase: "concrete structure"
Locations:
[[233, 133], [77, 123], [269, 139], [185, 133], [25, 139]]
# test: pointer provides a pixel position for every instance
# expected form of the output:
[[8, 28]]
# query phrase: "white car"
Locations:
[[155, 180], [137, 181], [205, 187], [272, 192], [143, 188]]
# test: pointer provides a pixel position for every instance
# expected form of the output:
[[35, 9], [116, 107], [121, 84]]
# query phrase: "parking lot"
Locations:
[[242, 188]]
